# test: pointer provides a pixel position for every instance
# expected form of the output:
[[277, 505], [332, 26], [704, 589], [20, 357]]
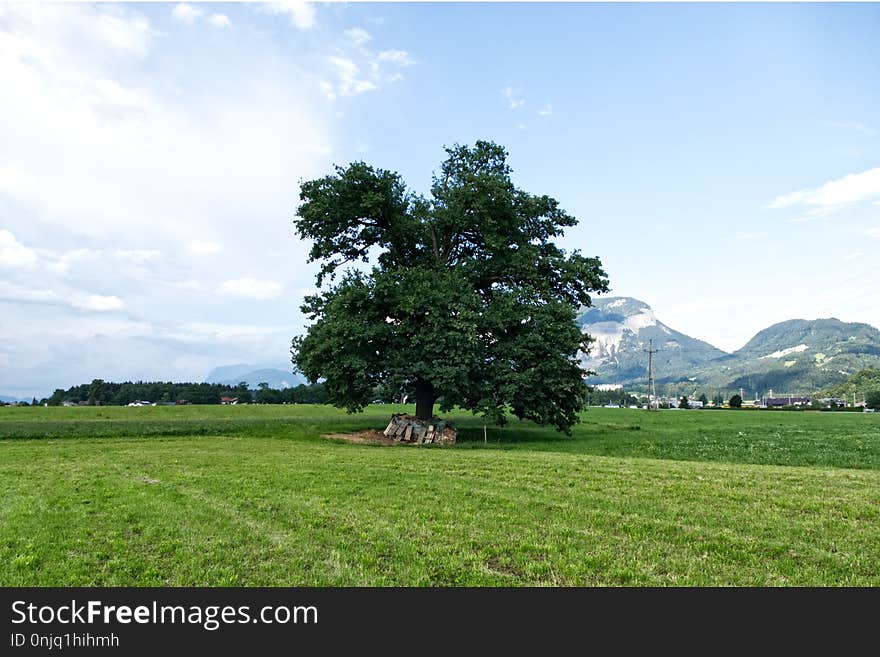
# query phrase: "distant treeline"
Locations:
[[617, 397], [105, 393]]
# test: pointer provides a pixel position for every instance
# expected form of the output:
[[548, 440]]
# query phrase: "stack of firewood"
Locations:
[[409, 429]]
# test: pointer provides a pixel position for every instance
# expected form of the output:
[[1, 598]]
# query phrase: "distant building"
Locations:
[[791, 400], [675, 402], [229, 400]]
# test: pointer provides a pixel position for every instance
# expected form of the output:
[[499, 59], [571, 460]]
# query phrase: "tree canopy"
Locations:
[[465, 299], [120, 394]]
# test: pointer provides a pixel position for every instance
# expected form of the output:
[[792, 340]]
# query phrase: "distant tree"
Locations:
[[266, 395], [303, 394], [703, 399], [97, 393], [470, 300], [718, 399], [872, 400], [243, 392], [736, 401], [683, 403]]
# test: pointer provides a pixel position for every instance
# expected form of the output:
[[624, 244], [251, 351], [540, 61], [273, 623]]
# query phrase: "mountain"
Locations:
[[622, 327], [797, 356], [831, 336], [803, 356], [276, 377], [859, 384], [11, 400]]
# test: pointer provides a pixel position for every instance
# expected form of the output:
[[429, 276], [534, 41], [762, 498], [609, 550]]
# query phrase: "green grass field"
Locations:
[[253, 495]]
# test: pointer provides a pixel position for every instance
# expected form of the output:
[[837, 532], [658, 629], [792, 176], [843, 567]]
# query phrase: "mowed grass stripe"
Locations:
[[261, 511], [844, 440]]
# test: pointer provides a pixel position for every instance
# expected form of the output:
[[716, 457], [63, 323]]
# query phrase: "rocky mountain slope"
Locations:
[[622, 328], [796, 356]]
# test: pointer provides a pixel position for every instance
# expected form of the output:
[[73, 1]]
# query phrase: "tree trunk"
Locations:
[[424, 400]]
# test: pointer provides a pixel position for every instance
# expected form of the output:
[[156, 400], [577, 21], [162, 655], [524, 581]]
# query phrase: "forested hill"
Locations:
[[796, 356], [100, 392]]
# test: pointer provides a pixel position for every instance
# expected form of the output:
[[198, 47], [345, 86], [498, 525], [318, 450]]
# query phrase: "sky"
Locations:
[[723, 161]]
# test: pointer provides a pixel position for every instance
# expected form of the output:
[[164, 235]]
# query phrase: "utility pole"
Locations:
[[651, 351]]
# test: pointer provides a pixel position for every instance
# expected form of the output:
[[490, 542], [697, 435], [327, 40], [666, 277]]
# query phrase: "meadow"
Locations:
[[255, 495]]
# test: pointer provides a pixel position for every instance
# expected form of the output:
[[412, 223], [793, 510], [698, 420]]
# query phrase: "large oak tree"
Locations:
[[468, 299]]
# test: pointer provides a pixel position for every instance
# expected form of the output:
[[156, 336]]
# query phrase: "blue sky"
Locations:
[[723, 160]]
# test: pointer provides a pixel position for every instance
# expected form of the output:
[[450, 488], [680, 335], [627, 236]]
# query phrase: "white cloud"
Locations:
[[327, 89], [186, 13], [197, 331], [99, 303], [354, 78], [251, 288], [350, 80], [547, 110], [834, 194], [302, 14], [62, 262], [220, 21], [358, 36], [128, 32], [119, 30], [14, 180], [67, 297], [203, 247], [873, 232], [137, 256], [396, 57], [113, 163], [855, 255], [13, 253], [111, 92], [513, 97], [18, 293]]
